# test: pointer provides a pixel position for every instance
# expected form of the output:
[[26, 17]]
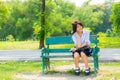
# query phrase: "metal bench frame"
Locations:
[[45, 52]]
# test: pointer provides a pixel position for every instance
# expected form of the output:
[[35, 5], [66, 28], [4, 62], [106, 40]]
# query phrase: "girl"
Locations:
[[81, 50]]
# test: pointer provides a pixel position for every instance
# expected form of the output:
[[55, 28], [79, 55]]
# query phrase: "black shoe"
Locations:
[[77, 71], [87, 71]]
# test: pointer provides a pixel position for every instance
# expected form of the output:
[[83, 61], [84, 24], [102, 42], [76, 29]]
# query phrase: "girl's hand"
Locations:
[[73, 49]]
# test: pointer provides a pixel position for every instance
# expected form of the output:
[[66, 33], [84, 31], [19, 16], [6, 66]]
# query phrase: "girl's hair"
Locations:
[[74, 26]]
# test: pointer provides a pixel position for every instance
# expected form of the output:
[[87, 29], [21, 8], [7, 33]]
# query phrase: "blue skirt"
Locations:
[[86, 50]]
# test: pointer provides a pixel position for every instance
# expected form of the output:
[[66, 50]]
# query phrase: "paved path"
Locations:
[[107, 54], [19, 54]]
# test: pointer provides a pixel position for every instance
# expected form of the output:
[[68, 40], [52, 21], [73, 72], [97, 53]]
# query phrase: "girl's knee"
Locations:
[[83, 54], [76, 55]]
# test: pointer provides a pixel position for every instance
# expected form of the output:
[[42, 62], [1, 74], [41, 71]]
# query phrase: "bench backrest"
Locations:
[[67, 40]]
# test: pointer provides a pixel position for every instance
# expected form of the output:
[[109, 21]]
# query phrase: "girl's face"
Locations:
[[79, 28]]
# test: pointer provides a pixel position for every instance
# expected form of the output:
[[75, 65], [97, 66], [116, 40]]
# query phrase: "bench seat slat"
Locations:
[[58, 50], [60, 56], [59, 40], [66, 40]]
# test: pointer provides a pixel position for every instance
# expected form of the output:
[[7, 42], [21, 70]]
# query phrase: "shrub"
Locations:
[[10, 38], [109, 33], [101, 34]]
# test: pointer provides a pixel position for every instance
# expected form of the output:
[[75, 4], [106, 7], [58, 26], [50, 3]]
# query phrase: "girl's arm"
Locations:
[[78, 43]]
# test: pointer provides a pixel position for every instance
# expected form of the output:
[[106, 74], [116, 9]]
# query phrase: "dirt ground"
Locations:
[[61, 75]]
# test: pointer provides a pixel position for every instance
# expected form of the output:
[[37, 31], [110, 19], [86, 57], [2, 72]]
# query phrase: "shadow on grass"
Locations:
[[71, 71], [68, 72]]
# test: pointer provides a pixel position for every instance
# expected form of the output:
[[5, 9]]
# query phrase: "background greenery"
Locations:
[[23, 21], [104, 42], [10, 68]]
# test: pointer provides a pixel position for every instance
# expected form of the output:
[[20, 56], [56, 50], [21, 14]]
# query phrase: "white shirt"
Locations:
[[84, 38]]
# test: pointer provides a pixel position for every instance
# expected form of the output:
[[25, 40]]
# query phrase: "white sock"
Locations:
[[77, 68], [87, 67]]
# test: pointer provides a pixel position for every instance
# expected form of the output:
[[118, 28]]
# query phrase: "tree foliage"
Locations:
[[115, 17], [88, 17], [3, 11], [23, 21]]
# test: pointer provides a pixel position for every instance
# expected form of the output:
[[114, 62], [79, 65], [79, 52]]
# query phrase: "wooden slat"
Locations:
[[55, 56], [93, 39], [58, 50], [67, 40], [59, 40]]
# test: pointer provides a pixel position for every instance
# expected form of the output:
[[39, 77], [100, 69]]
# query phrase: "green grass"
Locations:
[[10, 68], [26, 45], [109, 42], [108, 71], [104, 42]]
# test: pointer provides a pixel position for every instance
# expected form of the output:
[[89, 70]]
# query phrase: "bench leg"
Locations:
[[43, 65], [97, 62], [95, 65], [47, 63]]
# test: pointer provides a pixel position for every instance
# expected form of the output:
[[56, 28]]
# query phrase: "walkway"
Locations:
[[107, 54]]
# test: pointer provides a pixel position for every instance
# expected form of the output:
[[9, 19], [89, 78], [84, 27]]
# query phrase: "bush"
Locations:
[[109, 42], [109, 33], [101, 34], [10, 38]]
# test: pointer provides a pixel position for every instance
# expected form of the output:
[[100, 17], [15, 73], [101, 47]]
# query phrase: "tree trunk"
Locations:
[[41, 42], [42, 25]]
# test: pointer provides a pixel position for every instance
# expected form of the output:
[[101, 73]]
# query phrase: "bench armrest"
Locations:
[[95, 51]]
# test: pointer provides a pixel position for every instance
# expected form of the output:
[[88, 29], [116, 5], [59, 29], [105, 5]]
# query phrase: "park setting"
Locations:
[[36, 39]]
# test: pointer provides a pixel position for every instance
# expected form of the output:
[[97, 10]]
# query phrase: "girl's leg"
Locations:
[[85, 59], [76, 59], [76, 62]]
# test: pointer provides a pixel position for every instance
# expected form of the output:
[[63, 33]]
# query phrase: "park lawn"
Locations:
[[109, 71], [9, 69], [104, 42], [19, 45], [109, 42]]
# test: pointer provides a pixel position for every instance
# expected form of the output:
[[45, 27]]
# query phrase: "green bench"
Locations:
[[46, 53]]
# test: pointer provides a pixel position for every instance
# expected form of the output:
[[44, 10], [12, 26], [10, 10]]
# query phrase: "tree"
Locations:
[[88, 17], [42, 36], [66, 8], [61, 18], [3, 12], [106, 9], [22, 18], [115, 18]]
